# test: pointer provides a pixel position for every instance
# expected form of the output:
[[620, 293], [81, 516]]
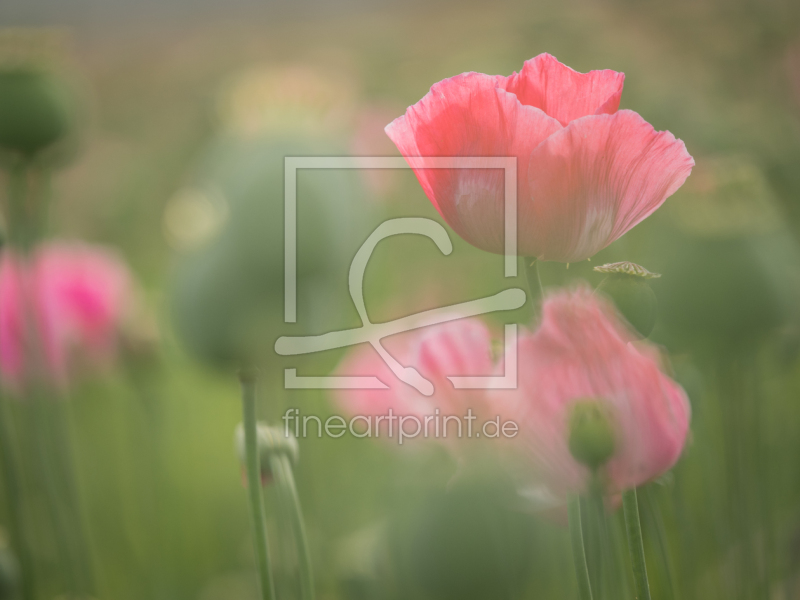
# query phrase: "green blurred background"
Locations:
[[169, 167]]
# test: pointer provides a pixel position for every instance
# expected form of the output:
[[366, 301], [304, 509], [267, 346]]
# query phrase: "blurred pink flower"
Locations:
[[582, 350], [586, 172], [73, 295], [457, 348]]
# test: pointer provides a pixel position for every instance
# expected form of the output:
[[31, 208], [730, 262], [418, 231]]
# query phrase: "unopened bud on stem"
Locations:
[[592, 439], [271, 442]]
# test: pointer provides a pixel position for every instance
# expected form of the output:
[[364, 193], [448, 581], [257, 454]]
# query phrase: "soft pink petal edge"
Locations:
[[564, 93], [649, 166]]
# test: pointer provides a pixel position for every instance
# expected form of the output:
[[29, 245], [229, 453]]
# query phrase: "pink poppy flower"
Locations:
[[581, 351], [457, 348], [65, 298], [586, 172]]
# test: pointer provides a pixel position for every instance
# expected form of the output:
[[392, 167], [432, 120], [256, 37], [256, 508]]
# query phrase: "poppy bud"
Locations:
[[592, 440], [34, 110], [626, 284], [271, 443]]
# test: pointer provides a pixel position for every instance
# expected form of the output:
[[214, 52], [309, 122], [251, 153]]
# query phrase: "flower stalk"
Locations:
[[12, 480], [60, 518], [633, 528], [282, 470], [248, 379], [578, 548], [27, 209], [28, 196], [534, 281], [17, 194]]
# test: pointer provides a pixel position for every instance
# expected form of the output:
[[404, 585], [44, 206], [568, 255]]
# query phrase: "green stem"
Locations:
[[47, 472], [248, 381], [18, 204], [29, 193], [633, 528], [36, 381], [654, 521], [282, 468], [603, 568], [534, 281], [62, 449], [13, 485], [578, 550]]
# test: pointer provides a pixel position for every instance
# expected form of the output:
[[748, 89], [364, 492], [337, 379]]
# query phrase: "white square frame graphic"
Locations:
[[293, 163]]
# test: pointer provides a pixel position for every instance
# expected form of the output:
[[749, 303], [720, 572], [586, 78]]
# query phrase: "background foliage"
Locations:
[[165, 510]]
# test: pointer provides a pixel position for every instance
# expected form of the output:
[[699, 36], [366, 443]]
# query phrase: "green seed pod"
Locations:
[[35, 110], [271, 443], [228, 289], [626, 284], [227, 292], [592, 440]]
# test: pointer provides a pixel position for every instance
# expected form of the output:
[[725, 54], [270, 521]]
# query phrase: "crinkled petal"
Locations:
[[594, 180], [470, 115], [562, 92]]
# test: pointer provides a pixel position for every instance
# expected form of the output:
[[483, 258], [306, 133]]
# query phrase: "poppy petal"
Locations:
[[562, 92], [469, 115], [594, 180]]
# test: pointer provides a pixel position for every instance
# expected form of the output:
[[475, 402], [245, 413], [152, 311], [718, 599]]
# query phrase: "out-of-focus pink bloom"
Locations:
[[582, 351], [457, 348], [64, 299], [586, 172]]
